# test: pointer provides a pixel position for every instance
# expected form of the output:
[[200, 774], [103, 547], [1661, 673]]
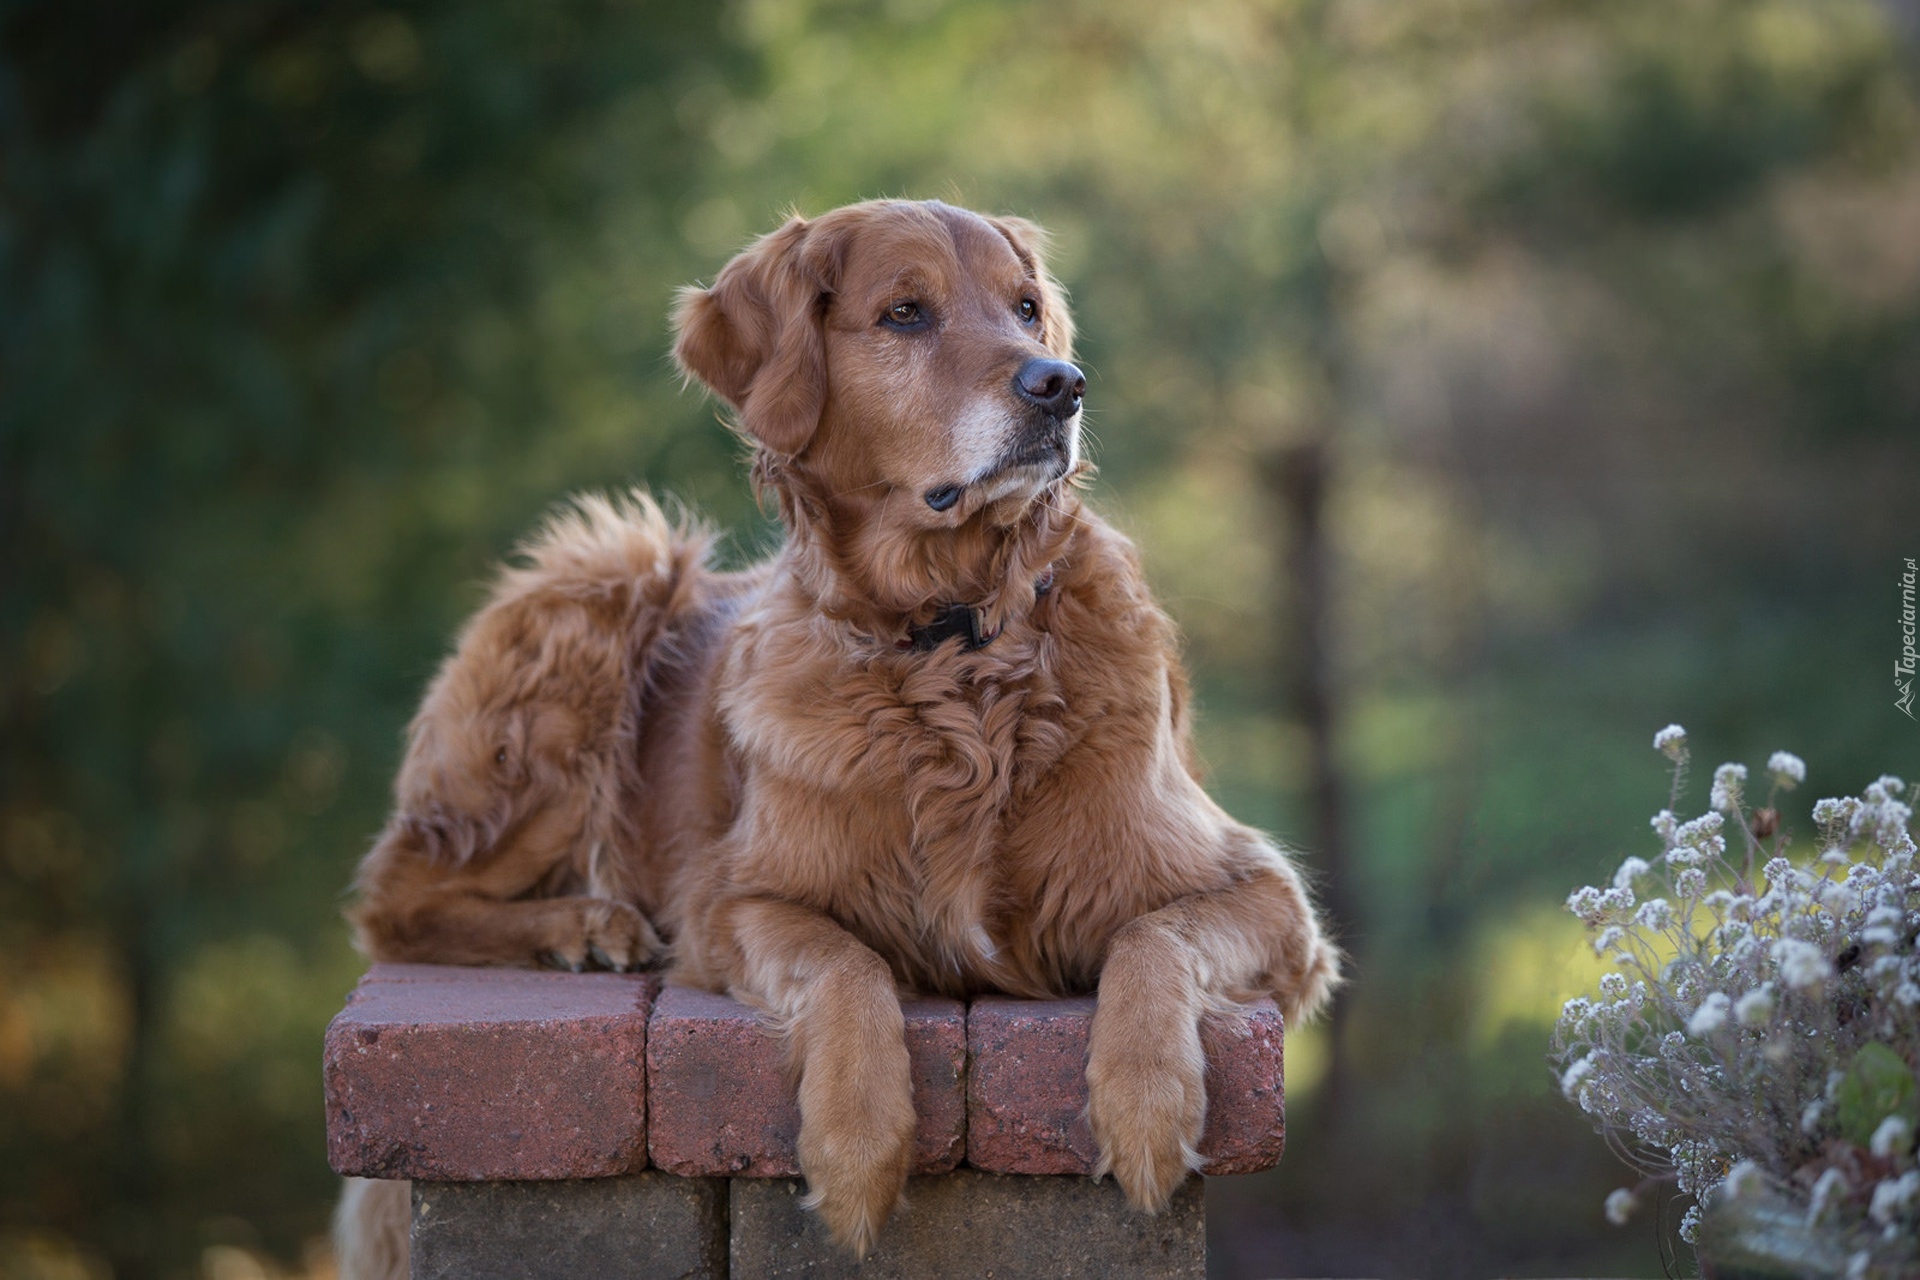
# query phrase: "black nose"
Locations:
[[1053, 385]]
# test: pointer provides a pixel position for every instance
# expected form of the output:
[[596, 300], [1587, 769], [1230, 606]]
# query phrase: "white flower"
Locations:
[[1743, 1179], [1892, 1138], [1585, 903], [1624, 877], [1575, 1077], [1837, 898], [1788, 769], [1831, 1186], [1834, 810], [1728, 781], [1620, 1206], [1654, 913], [1613, 985], [1884, 821], [1754, 1009], [1671, 742], [1710, 1016], [1607, 937], [1801, 963], [1907, 994], [1901, 851], [1699, 838], [1690, 1224], [1810, 1117], [1698, 830], [1893, 1197], [1690, 883]]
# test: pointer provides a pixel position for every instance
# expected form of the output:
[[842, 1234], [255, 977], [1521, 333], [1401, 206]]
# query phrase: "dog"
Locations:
[[938, 743]]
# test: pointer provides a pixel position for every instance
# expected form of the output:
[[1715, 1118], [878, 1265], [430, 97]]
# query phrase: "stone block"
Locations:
[[1027, 1088], [458, 1074], [972, 1224], [650, 1226], [721, 1103]]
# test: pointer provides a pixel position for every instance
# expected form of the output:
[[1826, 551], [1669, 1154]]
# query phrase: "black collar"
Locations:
[[954, 620], [962, 620]]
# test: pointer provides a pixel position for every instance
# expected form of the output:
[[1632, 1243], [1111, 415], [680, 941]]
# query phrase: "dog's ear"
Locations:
[[755, 337], [1030, 242]]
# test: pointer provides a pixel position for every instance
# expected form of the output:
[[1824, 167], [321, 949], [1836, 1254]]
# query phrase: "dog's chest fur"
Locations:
[[898, 781]]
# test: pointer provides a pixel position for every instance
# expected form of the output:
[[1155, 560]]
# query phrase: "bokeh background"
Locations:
[[1489, 382]]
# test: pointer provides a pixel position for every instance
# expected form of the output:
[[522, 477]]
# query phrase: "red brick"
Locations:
[[454, 1074], [722, 1105], [1246, 1127], [1027, 1088]]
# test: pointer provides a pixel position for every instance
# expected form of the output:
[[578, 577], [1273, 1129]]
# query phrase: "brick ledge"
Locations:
[[448, 1074]]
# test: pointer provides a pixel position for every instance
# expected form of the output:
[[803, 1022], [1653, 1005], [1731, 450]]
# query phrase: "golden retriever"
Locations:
[[938, 743]]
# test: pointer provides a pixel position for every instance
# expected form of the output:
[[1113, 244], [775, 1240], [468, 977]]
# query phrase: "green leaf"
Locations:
[[1878, 1084]]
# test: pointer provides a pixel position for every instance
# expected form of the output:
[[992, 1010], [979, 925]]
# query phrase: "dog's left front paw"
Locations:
[[1147, 1101]]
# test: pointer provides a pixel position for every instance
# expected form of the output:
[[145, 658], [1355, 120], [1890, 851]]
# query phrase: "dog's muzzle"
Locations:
[[1050, 391]]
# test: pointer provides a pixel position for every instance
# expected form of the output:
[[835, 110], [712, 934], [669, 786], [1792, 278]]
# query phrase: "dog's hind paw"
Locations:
[[600, 934]]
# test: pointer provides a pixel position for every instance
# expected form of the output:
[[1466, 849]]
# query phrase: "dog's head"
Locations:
[[908, 364]]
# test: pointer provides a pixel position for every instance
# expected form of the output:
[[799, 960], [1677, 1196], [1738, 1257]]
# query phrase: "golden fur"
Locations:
[[628, 745]]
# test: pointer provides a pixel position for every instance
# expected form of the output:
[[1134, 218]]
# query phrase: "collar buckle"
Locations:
[[952, 620]]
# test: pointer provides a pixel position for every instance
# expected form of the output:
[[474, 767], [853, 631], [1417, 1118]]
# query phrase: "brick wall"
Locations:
[[505, 1093]]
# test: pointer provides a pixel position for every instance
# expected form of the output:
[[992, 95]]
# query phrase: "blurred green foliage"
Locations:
[[1609, 316]]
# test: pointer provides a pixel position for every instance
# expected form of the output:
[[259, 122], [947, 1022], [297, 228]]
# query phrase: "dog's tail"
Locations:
[[599, 547], [656, 564], [575, 618], [538, 711], [370, 1229]]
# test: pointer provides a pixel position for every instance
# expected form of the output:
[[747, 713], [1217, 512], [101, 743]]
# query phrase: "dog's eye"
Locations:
[[1029, 310], [903, 315], [500, 756], [942, 498]]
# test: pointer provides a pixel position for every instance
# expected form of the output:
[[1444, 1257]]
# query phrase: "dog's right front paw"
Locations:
[[598, 933], [856, 1141], [855, 1182]]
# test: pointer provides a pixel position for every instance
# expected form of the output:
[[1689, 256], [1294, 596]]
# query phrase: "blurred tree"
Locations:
[[296, 295]]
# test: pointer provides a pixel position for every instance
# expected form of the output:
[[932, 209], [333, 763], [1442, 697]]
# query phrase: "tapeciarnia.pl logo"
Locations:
[[1904, 665]]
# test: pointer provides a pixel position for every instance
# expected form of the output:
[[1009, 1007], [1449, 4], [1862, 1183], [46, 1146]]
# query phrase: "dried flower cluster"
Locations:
[[1757, 1037]]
